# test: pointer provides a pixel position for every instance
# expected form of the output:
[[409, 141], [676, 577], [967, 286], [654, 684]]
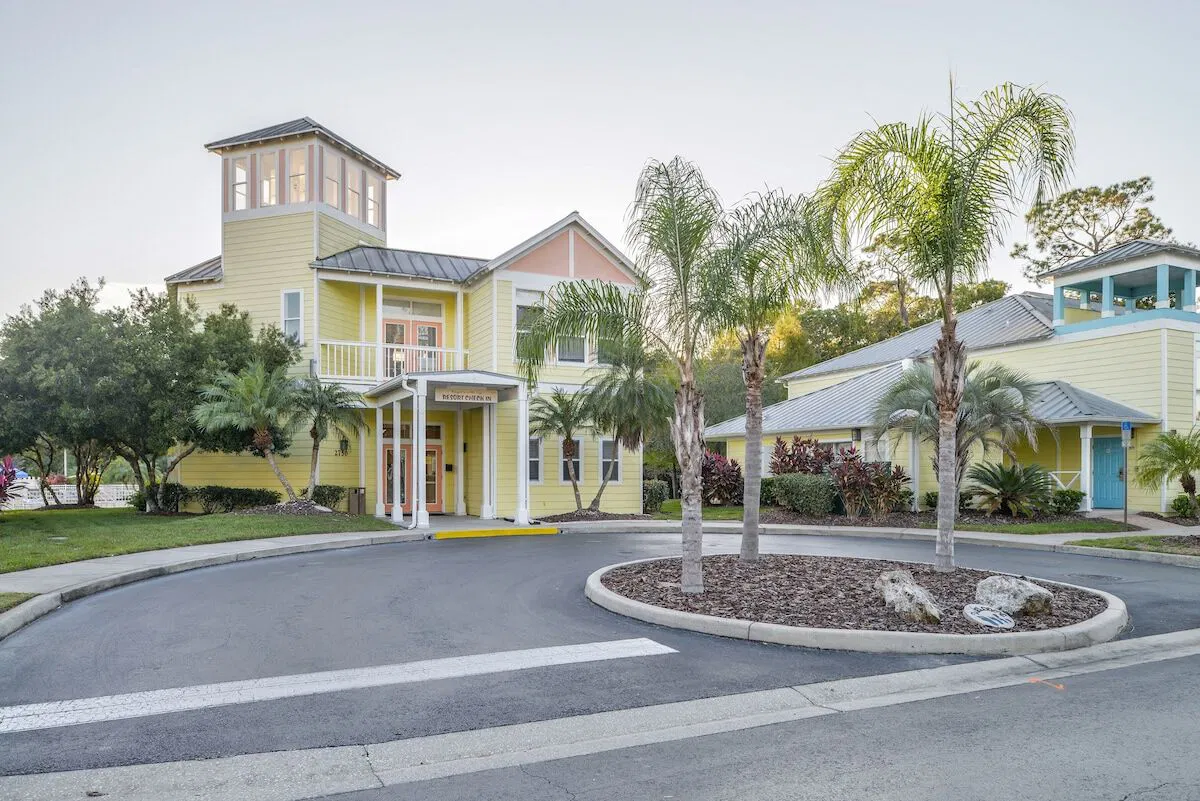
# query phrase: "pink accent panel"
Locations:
[[252, 200], [225, 185], [548, 258], [590, 263], [319, 183]]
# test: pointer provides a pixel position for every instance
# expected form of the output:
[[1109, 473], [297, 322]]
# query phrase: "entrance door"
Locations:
[[1108, 473], [434, 472], [417, 347]]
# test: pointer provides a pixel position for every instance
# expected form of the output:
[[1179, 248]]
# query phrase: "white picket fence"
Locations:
[[109, 496]]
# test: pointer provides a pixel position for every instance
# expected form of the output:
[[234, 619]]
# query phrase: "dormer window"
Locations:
[[353, 191], [374, 195], [241, 184], [333, 179], [298, 175], [268, 179]]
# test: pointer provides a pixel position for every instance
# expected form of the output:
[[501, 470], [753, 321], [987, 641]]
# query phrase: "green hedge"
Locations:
[[173, 495], [328, 495], [803, 493], [654, 493], [1066, 501], [214, 499], [766, 494]]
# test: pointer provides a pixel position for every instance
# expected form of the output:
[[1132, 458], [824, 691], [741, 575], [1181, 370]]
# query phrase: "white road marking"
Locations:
[[28, 717]]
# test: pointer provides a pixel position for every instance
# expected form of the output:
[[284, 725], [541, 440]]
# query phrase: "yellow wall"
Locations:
[[478, 325], [803, 386]]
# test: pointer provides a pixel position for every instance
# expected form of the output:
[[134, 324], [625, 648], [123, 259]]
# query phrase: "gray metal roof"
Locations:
[[851, 404], [393, 261], [1061, 402], [1014, 318], [1124, 252], [209, 270], [304, 125]]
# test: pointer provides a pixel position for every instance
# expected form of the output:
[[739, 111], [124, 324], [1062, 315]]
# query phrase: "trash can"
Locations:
[[356, 501]]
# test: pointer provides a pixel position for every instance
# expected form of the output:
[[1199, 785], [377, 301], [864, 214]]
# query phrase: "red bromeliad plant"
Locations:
[[801, 456], [9, 488], [874, 488], [721, 481]]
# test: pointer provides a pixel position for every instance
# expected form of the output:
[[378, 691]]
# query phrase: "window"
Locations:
[[293, 303], [535, 460], [576, 460], [526, 301], [241, 184], [353, 190], [424, 308], [610, 459], [298, 175], [433, 432], [571, 349], [606, 351], [268, 179], [374, 198], [333, 178]]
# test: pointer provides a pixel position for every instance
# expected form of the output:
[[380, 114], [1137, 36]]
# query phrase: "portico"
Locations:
[[412, 468]]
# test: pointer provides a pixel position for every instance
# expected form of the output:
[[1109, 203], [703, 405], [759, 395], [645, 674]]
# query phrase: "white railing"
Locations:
[[370, 361], [109, 496], [1066, 479]]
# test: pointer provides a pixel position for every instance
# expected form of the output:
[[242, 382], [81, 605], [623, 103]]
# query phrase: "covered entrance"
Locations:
[[434, 478]]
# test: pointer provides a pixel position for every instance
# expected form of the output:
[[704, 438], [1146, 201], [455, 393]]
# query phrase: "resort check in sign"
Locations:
[[466, 395]]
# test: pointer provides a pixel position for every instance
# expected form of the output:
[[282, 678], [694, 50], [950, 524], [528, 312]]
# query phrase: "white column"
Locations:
[[522, 515], [914, 468], [486, 506], [1085, 464], [460, 480], [316, 325], [380, 476], [397, 483], [379, 342], [419, 454]]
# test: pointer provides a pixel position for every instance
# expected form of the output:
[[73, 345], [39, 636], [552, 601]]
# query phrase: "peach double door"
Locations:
[[413, 346], [434, 473]]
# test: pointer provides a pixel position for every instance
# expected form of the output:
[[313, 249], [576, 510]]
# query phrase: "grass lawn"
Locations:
[[35, 539], [673, 510], [10, 599], [1188, 546], [1081, 526]]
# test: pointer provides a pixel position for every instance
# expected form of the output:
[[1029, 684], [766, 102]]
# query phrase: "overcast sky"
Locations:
[[503, 117]]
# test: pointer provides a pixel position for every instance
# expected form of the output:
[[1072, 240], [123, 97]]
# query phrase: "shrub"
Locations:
[[766, 495], [1182, 506], [10, 488], [721, 481], [173, 495], [1011, 490], [214, 499], [137, 500], [1066, 501], [904, 503], [654, 494], [806, 494], [874, 488], [327, 495], [930, 499], [801, 456]]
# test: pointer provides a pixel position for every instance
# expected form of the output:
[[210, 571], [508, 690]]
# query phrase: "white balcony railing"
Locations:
[[370, 361]]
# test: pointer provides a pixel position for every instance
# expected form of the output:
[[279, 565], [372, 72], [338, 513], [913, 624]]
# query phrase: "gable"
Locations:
[[552, 257], [570, 254]]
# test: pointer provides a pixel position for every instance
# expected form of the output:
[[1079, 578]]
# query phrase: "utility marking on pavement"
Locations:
[[52, 714], [1048, 683]]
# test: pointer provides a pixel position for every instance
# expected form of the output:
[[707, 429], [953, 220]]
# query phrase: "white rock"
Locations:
[[1014, 595], [907, 598]]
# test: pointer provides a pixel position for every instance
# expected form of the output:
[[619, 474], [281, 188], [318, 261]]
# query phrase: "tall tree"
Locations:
[[1083, 222], [255, 400], [564, 415], [324, 408], [944, 189], [672, 230]]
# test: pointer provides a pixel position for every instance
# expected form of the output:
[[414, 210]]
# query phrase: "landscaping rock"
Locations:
[[1013, 595], [904, 596]]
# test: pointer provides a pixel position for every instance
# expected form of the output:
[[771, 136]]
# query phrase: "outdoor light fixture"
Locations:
[[343, 447]]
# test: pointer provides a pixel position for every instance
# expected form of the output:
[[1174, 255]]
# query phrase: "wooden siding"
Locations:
[[478, 325]]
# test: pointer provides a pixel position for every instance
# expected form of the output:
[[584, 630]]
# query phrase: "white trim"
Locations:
[[495, 327], [1166, 423], [521, 515], [460, 479], [1171, 258], [487, 506], [384, 279], [196, 286], [560, 460], [316, 323], [458, 321], [283, 293], [620, 461]]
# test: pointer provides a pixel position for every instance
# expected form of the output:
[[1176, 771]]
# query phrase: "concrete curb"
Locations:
[[881, 533], [24, 614], [1101, 628]]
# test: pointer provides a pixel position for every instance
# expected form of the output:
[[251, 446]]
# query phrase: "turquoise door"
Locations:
[[1108, 476]]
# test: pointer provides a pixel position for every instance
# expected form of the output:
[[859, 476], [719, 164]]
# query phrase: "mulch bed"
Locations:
[[585, 515], [300, 508], [827, 592], [1179, 521]]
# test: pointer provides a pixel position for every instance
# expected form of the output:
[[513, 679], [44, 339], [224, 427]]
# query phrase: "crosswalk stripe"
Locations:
[[52, 714]]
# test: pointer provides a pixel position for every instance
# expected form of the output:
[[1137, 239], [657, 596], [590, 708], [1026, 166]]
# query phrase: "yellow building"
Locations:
[[1099, 361], [427, 338]]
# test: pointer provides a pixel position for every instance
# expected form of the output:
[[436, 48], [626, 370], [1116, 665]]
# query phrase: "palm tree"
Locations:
[[257, 400], [764, 263], [1168, 457], [325, 407], [994, 413], [672, 230], [629, 400], [562, 415], [943, 190]]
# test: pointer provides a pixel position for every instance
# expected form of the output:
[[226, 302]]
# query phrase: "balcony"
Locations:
[[373, 362]]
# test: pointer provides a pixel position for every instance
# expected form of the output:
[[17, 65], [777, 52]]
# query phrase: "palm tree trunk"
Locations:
[[754, 353], [287, 485], [569, 451], [594, 506], [687, 430], [312, 468], [949, 378]]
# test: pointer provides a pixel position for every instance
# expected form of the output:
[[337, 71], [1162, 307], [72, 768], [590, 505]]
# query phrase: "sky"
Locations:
[[503, 117]]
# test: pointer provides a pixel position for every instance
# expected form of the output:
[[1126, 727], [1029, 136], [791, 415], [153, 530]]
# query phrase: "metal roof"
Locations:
[[304, 125], [851, 404], [1014, 318], [1060, 402], [393, 261], [209, 270], [1124, 252]]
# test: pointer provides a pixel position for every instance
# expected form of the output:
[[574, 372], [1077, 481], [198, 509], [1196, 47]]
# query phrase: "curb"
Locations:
[[1101, 628], [469, 533], [881, 533], [24, 614]]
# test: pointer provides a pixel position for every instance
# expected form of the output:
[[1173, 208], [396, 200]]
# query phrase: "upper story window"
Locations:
[[291, 312], [353, 191], [297, 161], [572, 349], [523, 315], [333, 179], [268, 178], [374, 197], [240, 184]]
